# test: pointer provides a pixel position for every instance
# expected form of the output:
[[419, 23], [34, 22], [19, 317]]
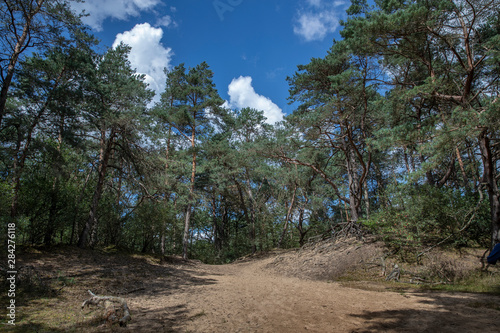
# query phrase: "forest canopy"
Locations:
[[396, 132]]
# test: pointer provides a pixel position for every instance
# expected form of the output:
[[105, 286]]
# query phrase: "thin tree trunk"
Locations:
[[54, 195], [492, 187], [243, 205], [354, 192], [185, 239], [19, 48], [252, 214], [113, 235], [49, 231], [167, 196], [10, 69], [288, 215], [75, 227], [367, 198], [462, 169], [88, 235], [218, 226], [20, 162]]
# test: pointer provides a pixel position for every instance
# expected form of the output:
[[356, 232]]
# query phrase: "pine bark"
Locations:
[[187, 220], [489, 180], [88, 236]]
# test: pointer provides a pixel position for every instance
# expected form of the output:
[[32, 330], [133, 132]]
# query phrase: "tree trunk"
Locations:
[[49, 231], [252, 214], [10, 69], [462, 169], [300, 227], [288, 215], [489, 180], [167, 196], [354, 188], [54, 195], [74, 228], [88, 235], [219, 226], [21, 44], [243, 205], [185, 238], [19, 161], [367, 198], [354, 180]]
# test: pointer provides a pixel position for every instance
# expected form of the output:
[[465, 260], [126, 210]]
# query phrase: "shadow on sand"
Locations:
[[67, 274], [449, 313]]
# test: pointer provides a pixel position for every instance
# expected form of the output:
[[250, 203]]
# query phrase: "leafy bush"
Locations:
[[425, 215]]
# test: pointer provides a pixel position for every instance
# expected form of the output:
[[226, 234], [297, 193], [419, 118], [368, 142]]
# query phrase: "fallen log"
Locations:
[[395, 274], [109, 308]]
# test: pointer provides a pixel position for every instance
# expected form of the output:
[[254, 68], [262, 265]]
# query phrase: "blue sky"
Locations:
[[250, 45]]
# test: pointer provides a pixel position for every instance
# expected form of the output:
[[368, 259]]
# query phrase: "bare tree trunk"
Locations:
[[167, 196], [75, 227], [354, 188], [54, 195], [489, 179], [462, 169], [243, 205], [18, 49], [88, 235], [49, 231], [288, 215], [19, 162], [116, 231], [252, 213], [185, 239], [367, 198]]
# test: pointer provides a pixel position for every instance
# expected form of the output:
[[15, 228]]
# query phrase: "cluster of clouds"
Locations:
[[242, 94], [318, 18], [100, 10], [148, 55], [315, 19]]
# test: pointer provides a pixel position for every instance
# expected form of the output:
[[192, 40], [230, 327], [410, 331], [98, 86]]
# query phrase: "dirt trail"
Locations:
[[248, 297]]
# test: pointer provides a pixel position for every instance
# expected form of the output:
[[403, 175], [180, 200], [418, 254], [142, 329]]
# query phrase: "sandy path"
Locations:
[[246, 297]]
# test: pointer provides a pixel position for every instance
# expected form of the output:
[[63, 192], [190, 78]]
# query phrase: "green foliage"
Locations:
[[424, 216], [397, 125]]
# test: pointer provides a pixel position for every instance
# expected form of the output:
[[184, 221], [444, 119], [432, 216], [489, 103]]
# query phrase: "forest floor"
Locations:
[[280, 291]]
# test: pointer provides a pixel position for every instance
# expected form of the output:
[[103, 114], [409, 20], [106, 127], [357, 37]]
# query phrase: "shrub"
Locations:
[[425, 215]]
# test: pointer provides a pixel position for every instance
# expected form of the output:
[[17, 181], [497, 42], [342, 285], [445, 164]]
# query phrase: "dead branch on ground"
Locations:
[[110, 311]]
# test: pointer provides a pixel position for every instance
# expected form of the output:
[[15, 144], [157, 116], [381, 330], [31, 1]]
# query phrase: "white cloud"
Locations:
[[242, 94], [148, 56], [166, 21], [318, 19], [312, 26], [315, 3], [99, 10]]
